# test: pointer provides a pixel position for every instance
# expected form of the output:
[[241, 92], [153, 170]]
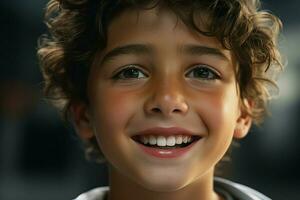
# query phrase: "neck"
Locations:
[[121, 187]]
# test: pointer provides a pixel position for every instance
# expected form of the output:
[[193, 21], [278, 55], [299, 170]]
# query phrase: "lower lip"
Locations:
[[166, 153]]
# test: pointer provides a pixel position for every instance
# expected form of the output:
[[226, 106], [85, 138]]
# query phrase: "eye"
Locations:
[[202, 72], [130, 72]]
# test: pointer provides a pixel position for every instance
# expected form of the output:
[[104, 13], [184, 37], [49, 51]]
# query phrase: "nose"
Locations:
[[166, 98]]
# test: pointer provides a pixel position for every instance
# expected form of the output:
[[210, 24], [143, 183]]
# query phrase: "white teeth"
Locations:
[[165, 141], [171, 141], [178, 139], [161, 141], [145, 139], [185, 139], [152, 140]]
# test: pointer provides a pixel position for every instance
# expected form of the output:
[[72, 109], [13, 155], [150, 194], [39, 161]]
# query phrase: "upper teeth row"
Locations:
[[166, 141]]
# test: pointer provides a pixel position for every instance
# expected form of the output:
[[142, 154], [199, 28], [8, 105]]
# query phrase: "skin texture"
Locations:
[[166, 89]]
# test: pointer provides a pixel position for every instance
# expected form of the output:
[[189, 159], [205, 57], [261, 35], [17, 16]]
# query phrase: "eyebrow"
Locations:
[[203, 50], [143, 49], [135, 49]]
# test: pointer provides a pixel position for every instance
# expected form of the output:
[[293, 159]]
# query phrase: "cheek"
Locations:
[[218, 110], [218, 114], [110, 107], [112, 110]]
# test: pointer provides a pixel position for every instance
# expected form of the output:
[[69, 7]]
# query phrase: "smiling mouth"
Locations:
[[162, 142]]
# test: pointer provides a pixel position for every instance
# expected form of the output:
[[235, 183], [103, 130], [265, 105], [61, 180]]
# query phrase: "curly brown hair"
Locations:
[[78, 29]]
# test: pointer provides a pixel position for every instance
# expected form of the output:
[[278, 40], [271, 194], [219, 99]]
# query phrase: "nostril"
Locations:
[[177, 110]]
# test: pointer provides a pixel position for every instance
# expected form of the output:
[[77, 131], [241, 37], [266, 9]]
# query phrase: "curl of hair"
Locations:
[[78, 29]]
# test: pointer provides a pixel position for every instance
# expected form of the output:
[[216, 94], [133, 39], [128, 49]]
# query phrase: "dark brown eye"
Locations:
[[202, 72], [130, 72]]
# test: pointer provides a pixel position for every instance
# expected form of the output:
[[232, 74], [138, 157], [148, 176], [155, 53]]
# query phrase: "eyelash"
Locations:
[[126, 69], [212, 74]]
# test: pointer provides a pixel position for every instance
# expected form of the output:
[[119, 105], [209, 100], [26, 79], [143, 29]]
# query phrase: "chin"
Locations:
[[163, 183], [164, 186]]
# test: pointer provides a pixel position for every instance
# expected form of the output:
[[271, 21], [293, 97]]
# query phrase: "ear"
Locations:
[[244, 121], [82, 120]]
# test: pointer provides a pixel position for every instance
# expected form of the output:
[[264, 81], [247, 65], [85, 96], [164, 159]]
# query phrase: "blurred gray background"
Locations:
[[41, 158]]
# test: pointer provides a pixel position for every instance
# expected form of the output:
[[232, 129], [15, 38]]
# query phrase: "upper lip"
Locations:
[[166, 131]]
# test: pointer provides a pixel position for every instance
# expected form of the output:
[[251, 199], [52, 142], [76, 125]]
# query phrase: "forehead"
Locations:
[[139, 24], [162, 30]]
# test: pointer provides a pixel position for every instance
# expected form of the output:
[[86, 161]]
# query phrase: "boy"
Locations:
[[161, 88]]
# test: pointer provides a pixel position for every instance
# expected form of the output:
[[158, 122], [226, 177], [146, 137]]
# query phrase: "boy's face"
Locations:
[[174, 78]]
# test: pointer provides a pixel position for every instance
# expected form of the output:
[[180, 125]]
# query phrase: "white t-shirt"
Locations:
[[228, 189]]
